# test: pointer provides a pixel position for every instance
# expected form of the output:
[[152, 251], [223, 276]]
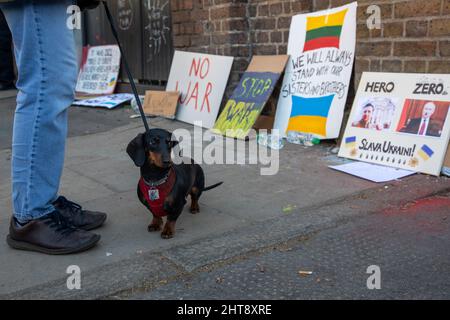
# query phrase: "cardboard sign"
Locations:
[[400, 120], [161, 103], [249, 97], [201, 80], [315, 86], [109, 101], [98, 75]]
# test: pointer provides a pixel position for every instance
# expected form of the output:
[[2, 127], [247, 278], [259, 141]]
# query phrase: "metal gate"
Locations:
[[145, 30]]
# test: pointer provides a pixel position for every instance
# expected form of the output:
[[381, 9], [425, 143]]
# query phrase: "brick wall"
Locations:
[[239, 28], [414, 34]]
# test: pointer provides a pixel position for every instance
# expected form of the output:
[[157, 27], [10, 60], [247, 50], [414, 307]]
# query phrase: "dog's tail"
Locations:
[[213, 186]]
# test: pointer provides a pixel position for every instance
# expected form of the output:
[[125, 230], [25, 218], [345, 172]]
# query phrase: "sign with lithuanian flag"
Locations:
[[315, 86], [324, 31]]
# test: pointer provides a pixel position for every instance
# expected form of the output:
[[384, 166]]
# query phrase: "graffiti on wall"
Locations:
[[124, 14], [158, 25]]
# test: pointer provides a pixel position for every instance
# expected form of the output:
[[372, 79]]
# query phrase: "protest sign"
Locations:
[[109, 101], [98, 75], [314, 91], [201, 80], [400, 120], [161, 103], [249, 97]]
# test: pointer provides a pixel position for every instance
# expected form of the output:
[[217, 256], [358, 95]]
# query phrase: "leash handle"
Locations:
[[127, 69]]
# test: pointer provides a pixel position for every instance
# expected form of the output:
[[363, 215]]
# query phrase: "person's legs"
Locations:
[[45, 55], [6, 60]]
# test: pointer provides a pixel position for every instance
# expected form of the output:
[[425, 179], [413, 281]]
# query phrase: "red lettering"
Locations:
[[205, 98], [195, 66], [203, 72], [181, 100], [194, 94]]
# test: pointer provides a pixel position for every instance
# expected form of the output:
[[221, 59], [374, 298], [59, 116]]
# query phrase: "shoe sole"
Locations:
[[94, 225], [20, 245]]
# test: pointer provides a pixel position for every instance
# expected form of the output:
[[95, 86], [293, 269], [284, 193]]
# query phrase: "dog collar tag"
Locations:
[[153, 194]]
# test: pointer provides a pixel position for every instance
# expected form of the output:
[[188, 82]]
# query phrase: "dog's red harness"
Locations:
[[155, 193]]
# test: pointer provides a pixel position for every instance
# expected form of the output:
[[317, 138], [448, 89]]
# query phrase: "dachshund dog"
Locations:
[[164, 186]]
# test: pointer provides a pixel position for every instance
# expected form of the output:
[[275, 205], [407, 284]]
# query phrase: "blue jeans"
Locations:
[[45, 55]]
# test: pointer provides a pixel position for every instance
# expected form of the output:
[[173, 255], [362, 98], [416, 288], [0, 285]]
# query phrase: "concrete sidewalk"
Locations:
[[248, 211]]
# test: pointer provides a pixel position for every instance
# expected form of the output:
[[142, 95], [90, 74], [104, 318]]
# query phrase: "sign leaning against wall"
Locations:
[[98, 75], [315, 86], [201, 80], [400, 120]]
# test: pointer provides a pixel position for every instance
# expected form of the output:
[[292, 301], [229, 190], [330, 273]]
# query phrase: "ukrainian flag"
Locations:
[[324, 31], [112, 82], [425, 152], [309, 115], [350, 142]]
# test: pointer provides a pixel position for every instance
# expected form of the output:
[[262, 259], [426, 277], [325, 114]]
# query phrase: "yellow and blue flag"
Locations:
[[350, 142], [425, 152], [310, 115]]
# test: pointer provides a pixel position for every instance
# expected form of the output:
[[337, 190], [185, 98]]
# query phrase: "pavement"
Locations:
[[253, 234], [82, 120]]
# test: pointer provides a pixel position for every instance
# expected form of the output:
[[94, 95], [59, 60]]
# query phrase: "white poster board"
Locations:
[[315, 86], [372, 172], [109, 101], [400, 120], [201, 80], [98, 75]]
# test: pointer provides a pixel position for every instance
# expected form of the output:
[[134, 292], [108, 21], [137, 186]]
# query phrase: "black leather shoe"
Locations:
[[79, 218], [51, 234]]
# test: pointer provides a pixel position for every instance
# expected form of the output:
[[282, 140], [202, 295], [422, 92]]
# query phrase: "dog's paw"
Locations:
[[153, 227], [194, 210], [167, 234], [169, 230]]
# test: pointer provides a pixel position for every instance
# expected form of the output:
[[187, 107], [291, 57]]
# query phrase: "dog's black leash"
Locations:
[[127, 69]]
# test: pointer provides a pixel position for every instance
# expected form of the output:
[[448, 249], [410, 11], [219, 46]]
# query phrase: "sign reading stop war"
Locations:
[[246, 104], [249, 97], [201, 80]]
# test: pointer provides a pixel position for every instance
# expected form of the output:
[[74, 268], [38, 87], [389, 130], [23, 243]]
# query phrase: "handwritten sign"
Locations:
[[246, 103], [400, 120], [99, 73], [201, 80], [109, 101], [161, 103], [314, 91], [249, 97]]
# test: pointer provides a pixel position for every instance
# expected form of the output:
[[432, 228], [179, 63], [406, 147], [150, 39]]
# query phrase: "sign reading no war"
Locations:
[[201, 80]]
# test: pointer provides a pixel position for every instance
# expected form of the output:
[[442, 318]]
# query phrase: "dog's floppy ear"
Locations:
[[136, 150], [173, 141]]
